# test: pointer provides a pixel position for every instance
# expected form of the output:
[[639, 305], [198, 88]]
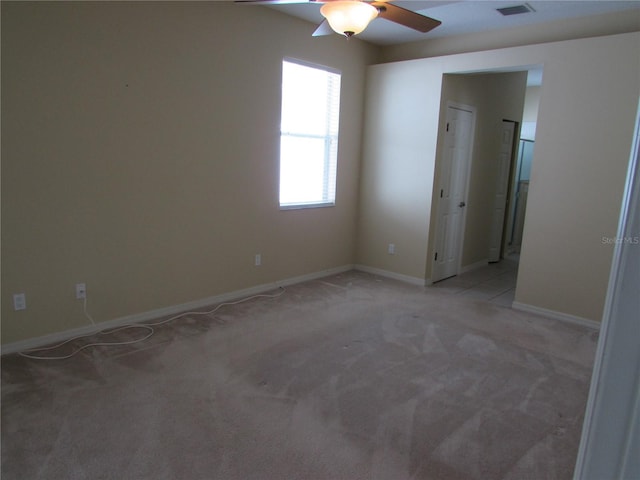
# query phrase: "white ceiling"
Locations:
[[468, 16]]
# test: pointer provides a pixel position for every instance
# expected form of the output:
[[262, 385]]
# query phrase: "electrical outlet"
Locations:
[[392, 249], [19, 301], [81, 291], [258, 260]]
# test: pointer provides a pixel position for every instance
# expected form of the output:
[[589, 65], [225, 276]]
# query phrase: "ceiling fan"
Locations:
[[350, 17]]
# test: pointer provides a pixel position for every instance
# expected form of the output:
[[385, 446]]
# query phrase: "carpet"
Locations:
[[352, 376]]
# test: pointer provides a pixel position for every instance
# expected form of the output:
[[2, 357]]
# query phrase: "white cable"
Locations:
[[98, 344], [147, 326], [282, 290], [86, 313]]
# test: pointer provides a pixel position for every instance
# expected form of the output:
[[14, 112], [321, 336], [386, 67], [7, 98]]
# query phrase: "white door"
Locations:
[[502, 188], [452, 192]]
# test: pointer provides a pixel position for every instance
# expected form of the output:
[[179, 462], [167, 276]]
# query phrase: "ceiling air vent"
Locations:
[[516, 10]]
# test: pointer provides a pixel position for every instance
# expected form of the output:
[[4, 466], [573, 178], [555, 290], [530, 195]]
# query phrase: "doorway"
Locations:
[[500, 106]]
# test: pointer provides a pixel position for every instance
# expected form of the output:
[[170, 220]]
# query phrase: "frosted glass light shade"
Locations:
[[348, 17]]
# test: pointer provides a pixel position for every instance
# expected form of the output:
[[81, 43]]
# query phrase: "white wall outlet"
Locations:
[[81, 291], [258, 260], [19, 301], [392, 249]]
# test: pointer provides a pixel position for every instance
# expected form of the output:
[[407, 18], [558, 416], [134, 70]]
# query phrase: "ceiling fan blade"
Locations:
[[405, 17], [323, 29]]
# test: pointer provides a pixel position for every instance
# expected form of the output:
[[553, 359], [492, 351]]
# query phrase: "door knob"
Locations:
[[462, 204]]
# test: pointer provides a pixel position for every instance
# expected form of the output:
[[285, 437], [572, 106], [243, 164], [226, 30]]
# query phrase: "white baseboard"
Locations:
[[474, 266], [165, 312], [564, 317], [421, 282]]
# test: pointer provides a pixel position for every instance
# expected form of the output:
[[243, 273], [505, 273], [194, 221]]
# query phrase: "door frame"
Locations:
[[437, 186]]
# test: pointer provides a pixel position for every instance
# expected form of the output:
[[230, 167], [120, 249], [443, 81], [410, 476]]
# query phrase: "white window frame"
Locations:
[[330, 137]]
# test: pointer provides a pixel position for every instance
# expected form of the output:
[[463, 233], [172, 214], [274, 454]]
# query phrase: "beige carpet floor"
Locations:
[[347, 377]]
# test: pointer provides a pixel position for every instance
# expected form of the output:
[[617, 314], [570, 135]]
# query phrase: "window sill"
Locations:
[[299, 206]]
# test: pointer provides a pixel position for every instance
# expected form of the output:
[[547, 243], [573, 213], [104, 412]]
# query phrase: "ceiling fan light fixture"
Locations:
[[348, 17]]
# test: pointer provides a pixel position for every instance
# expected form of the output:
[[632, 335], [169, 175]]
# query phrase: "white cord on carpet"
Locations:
[[32, 353]]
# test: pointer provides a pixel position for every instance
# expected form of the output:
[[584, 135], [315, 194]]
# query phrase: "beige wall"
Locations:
[[588, 102], [140, 155], [587, 109], [531, 104], [397, 175], [495, 97]]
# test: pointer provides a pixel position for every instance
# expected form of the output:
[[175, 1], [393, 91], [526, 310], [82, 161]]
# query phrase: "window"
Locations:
[[308, 135]]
